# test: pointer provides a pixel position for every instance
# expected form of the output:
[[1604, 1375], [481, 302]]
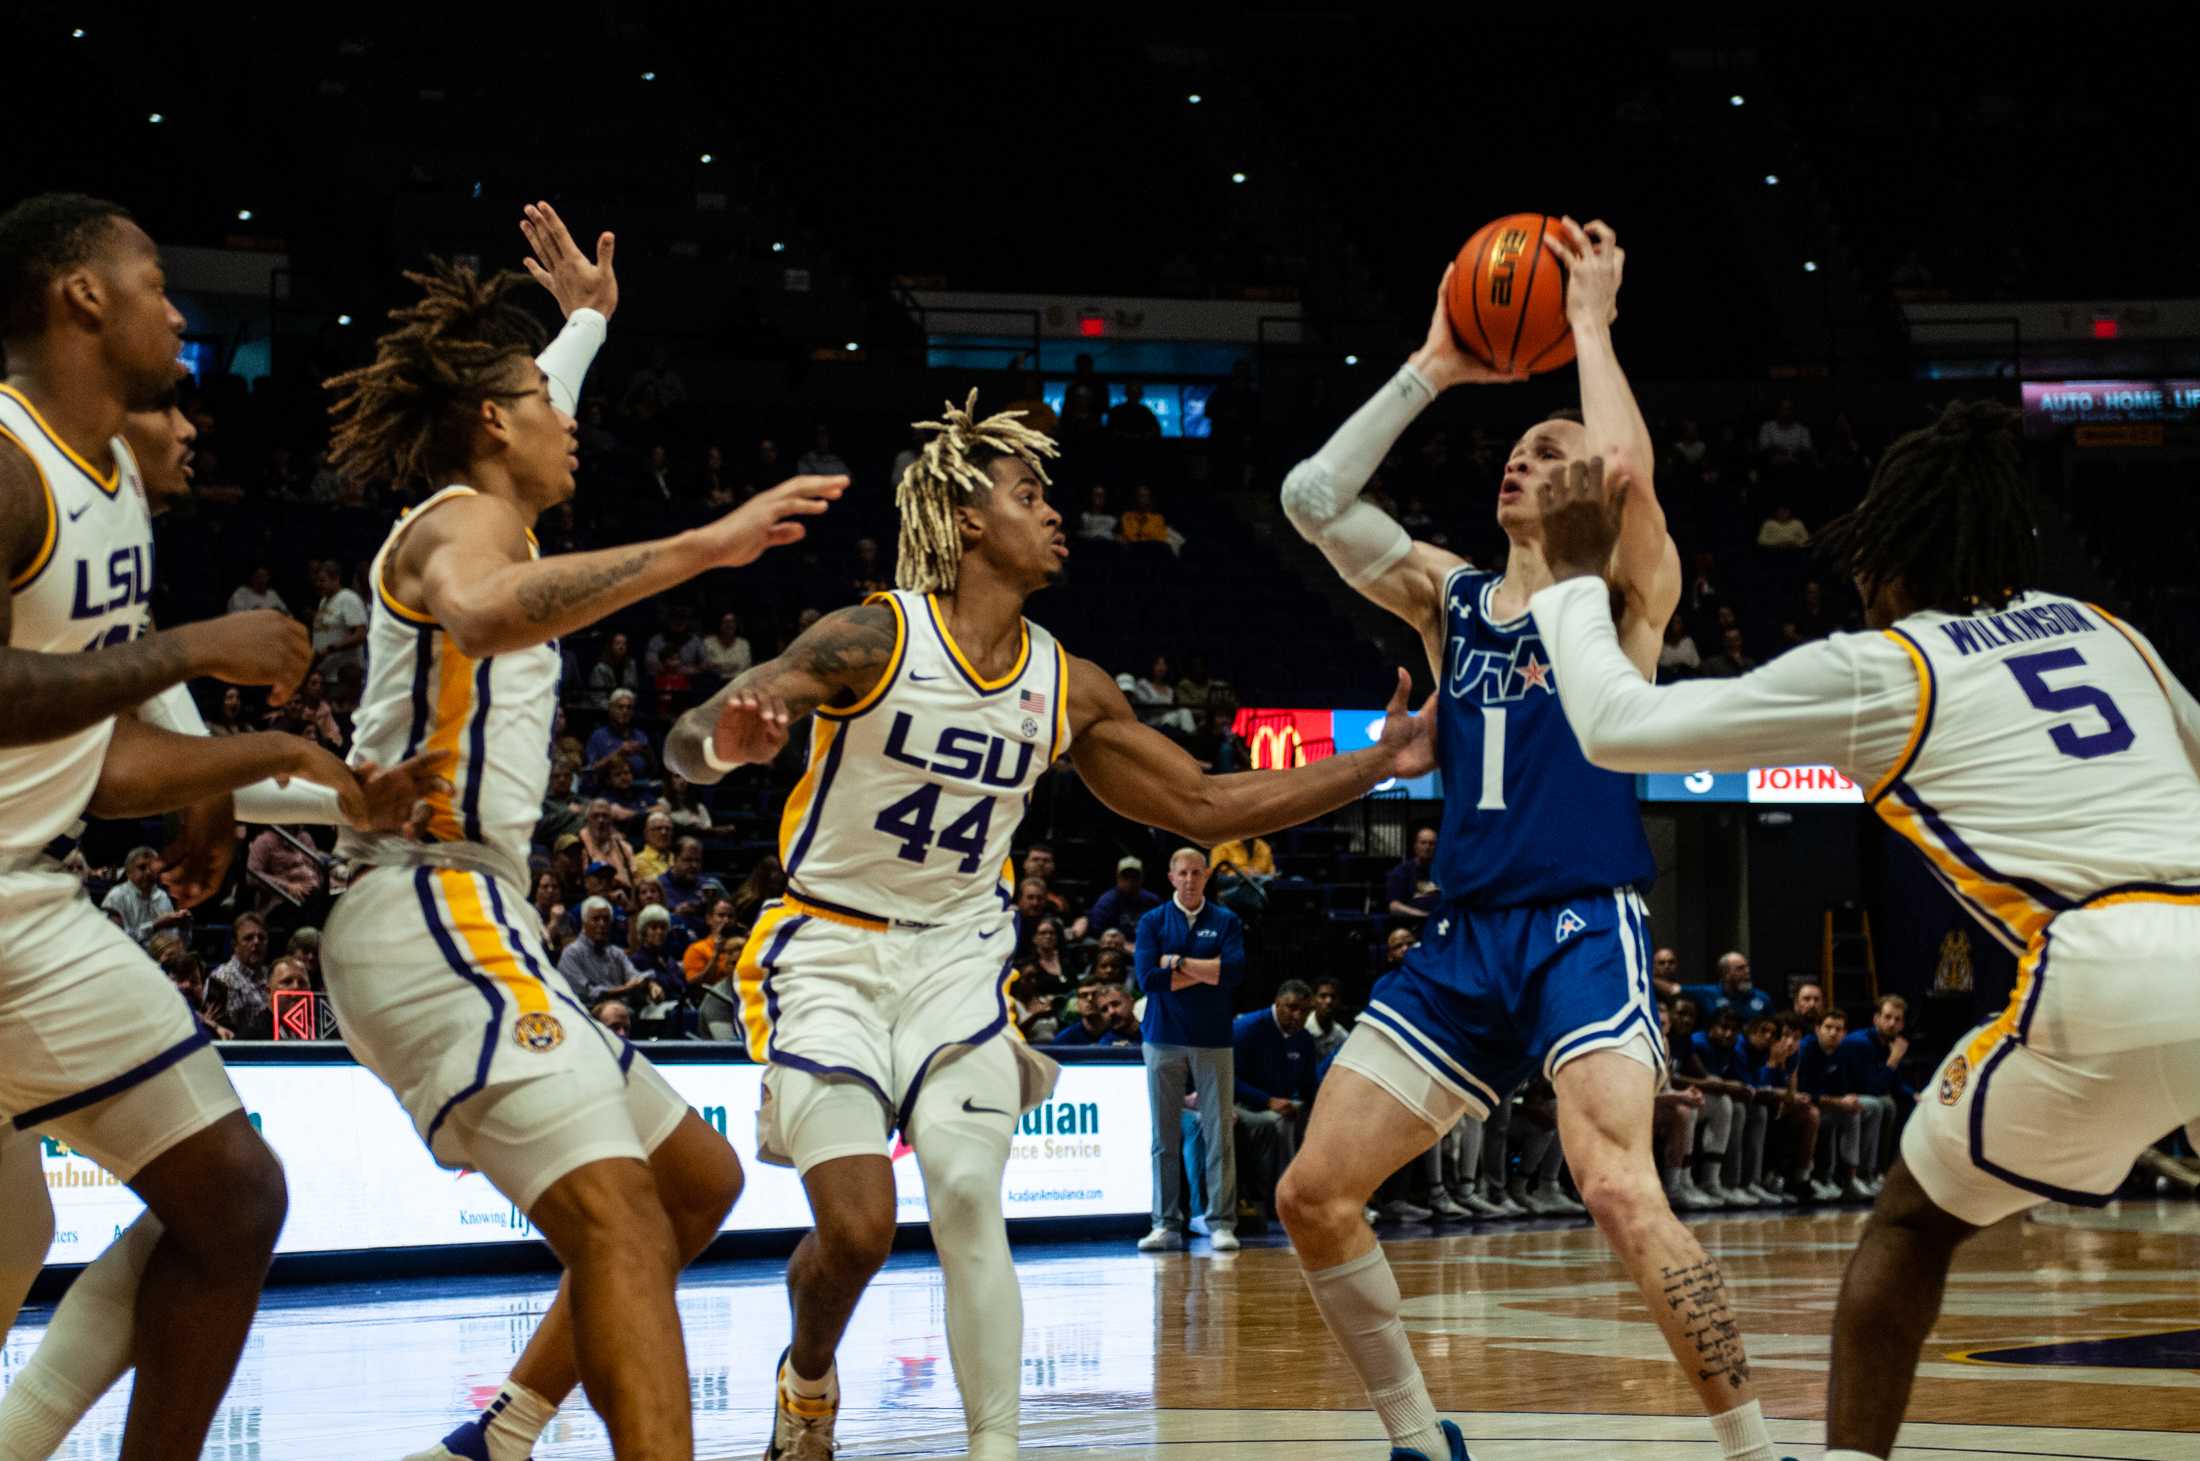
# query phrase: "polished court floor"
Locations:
[[2073, 1335]]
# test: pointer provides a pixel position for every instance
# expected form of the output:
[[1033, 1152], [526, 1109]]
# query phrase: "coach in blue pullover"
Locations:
[[1190, 956]]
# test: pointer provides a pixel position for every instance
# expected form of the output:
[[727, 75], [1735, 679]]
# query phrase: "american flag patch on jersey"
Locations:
[[1032, 702]]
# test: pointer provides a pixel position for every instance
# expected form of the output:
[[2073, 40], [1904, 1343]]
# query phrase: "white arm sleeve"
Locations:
[[1847, 702], [173, 709], [568, 357], [1321, 495]]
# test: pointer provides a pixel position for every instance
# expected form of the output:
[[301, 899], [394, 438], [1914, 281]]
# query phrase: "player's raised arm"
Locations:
[[149, 770], [1143, 775], [1848, 702], [837, 660], [1645, 565], [1321, 495], [470, 561], [587, 292]]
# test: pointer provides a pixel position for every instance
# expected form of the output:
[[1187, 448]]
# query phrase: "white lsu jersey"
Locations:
[[2047, 762], [491, 717], [90, 585], [913, 793]]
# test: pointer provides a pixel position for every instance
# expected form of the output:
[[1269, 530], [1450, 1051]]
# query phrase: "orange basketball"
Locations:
[[1507, 299]]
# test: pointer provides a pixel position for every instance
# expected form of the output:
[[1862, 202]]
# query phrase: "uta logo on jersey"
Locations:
[[1498, 677]]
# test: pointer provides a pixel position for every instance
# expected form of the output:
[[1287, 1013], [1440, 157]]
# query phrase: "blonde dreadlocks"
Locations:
[[407, 418], [949, 472]]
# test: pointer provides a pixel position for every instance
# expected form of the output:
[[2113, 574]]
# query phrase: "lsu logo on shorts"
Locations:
[[1953, 1080], [538, 1032]]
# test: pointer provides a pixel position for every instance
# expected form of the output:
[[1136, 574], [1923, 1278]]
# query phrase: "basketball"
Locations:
[[1507, 299]]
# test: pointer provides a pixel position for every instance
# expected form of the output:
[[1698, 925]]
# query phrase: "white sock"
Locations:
[[963, 1163], [86, 1349], [516, 1417], [1359, 1301], [808, 1389], [1742, 1435], [1853, 1456]]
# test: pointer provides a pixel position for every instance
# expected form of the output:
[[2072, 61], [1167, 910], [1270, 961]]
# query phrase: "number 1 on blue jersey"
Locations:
[[1493, 760]]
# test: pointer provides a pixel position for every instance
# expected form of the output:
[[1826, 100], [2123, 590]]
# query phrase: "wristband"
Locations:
[[710, 756]]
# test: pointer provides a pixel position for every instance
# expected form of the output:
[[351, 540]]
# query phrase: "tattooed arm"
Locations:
[[468, 567], [836, 661]]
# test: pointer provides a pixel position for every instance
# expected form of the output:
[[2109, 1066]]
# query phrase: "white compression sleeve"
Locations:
[[1321, 495], [568, 357], [173, 709]]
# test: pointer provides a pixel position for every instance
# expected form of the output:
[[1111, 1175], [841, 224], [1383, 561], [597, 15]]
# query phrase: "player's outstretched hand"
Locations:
[[1594, 262], [396, 799], [258, 647], [558, 265], [1410, 739], [1443, 363], [1581, 518], [751, 729], [770, 519], [309, 762]]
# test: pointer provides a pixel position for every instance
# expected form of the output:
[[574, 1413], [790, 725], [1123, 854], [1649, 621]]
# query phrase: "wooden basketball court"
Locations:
[[2075, 1335]]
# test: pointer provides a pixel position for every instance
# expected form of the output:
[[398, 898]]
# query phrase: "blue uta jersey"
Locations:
[[1527, 819]]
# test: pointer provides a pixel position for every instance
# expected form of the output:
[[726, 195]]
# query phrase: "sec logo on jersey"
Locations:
[[540, 1033], [1953, 1080]]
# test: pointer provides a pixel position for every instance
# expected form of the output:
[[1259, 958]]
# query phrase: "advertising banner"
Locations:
[[1765, 784], [361, 1180]]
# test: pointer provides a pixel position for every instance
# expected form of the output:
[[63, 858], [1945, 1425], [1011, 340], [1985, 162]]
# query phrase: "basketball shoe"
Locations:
[[1458, 1451], [802, 1428]]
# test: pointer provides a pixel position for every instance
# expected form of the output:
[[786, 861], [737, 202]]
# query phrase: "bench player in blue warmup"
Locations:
[[1538, 959]]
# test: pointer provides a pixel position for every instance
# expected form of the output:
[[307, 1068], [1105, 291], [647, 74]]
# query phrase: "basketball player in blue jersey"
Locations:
[[876, 988], [1537, 962], [2038, 753]]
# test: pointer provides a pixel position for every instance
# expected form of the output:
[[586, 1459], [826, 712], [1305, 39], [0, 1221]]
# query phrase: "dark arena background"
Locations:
[[1189, 246]]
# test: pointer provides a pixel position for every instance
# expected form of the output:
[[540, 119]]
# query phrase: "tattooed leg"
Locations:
[[1605, 1104], [1889, 1300]]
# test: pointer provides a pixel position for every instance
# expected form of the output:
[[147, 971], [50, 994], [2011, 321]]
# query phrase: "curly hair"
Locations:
[[950, 472], [1948, 513], [408, 418]]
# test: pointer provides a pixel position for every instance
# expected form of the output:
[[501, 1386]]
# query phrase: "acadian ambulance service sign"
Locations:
[[361, 1180]]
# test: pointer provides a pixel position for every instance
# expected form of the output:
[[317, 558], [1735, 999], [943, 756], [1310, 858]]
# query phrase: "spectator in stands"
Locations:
[[1042, 982], [675, 650], [615, 670], [1091, 1026], [650, 951], [549, 905], [1849, 1125], [1677, 657], [1784, 441], [683, 804], [614, 1015], [189, 976], [716, 989], [619, 736], [1812, 617], [339, 622], [1783, 530], [654, 389], [1411, 891], [1810, 1001], [1273, 1060], [1113, 966], [1190, 957], [1154, 693], [288, 976], [236, 992], [1120, 907], [231, 718], [1039, 864], [724, 653], [1732, 660], [1871, 1062], [656, 477], [655, 858], [1688, 446], [1031, 906], [139, 901], [1330, 1022], [629, 803], [307, 713], [766, 881], [1122, 1015], [280, 860], [1132, 419], [1096, 521], [603, 844], [563, 810], [821, 460], [566, 863], [1143, 523], [1247, 857], [1734, 990], [720, 927], [305, 947], [593, 964], [257, 592]]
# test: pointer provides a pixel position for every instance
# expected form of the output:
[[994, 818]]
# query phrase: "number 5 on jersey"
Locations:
[[911, 820]]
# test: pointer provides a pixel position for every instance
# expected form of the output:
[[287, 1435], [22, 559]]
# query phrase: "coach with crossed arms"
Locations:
[[1190, 957]]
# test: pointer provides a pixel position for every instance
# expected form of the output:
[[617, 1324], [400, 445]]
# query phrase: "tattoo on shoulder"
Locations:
[[843, 645], [556, 592]]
